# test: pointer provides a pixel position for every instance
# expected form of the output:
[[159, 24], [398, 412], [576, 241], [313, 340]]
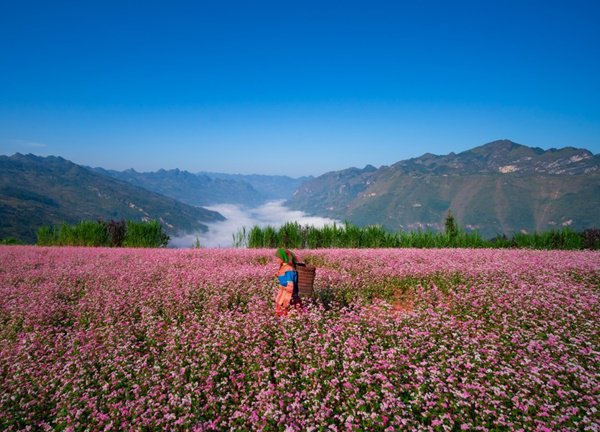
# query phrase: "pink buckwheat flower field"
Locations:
[[403, 339]]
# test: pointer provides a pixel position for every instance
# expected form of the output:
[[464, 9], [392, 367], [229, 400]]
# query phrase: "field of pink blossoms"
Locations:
[[123, 339]]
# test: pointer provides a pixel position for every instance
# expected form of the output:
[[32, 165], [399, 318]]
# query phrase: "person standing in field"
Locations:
[[287, 276]]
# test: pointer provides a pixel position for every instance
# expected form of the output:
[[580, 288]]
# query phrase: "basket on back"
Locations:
[[306, 279]]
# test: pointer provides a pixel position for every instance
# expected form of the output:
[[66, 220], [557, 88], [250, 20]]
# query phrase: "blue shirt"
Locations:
[[288, 276]]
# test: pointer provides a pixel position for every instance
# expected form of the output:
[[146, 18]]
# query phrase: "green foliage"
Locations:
[[10, 241], [431, 239], [89, 233], [145, 234], [562, 239], [47, 236], [293, 235], [86, 233], [450, 225]]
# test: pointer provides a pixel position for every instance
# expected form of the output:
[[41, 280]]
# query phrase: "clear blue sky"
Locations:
[[293, 87]]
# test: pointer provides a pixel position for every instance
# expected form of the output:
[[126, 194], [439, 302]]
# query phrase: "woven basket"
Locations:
[[306, 279]]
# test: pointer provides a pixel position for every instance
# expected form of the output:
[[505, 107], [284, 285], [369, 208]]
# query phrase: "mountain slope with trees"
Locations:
[[192, 189], [205, 189], [37, 191], [498, 188]]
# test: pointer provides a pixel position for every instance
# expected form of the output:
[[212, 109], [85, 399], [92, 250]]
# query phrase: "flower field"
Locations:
[[396, 339]]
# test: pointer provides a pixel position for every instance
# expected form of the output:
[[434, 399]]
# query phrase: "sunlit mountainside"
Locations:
[[498, 188]]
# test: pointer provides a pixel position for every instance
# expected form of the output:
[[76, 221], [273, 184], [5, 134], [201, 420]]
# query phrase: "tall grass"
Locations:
[[563, 239], [85, 233], [296, 236], [10, 241], [293, 235], [145, 234], [89, 233]]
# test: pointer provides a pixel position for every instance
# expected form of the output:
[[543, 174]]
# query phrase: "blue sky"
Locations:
[[297, 88]]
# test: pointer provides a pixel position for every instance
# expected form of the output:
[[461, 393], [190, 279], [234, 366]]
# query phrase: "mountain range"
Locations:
[[497, 188], [37, 191], [206, 189]]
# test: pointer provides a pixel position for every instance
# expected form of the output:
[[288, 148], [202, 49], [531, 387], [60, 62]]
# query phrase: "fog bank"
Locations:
[[220, 234]]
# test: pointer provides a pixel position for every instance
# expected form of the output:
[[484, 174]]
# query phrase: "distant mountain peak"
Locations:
[[498, 146], [503, 143]]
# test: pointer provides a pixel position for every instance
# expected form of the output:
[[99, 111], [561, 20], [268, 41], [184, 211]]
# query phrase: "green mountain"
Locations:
[[271, 187], [500, 187], [192, 189], [204, 189], [36, 191]]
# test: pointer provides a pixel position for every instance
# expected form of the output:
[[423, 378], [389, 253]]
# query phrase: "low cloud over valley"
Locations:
[[220, 234]]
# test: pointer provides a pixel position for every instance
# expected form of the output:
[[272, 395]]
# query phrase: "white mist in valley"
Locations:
[[220, 234]]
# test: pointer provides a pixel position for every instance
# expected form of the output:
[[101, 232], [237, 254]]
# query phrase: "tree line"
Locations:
[[347, 235], [114, 233]]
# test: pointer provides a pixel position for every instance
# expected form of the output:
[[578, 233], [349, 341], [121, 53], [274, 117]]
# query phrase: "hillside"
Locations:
[[500, 187], [36, 191], [192, 189], [272, 187], [205, 188]]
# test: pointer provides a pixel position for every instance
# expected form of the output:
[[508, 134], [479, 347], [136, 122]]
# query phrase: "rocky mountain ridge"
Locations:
[[206, 189], [192, 189], [497, 188], [505, 157]]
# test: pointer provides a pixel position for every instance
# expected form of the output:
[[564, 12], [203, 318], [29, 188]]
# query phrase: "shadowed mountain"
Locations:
[[37, 191], [272, 187], [192, 189], [500, 187], [205, 189]]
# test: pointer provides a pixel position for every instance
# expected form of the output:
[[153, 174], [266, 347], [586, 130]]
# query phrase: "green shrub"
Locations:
[[450, 225], [145, 234], [113, 233], [293, 235], [555, 239], [47, 236], [10, 241]]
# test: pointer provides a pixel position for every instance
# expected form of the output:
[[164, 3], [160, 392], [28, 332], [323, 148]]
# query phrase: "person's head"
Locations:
[[286, 256]]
